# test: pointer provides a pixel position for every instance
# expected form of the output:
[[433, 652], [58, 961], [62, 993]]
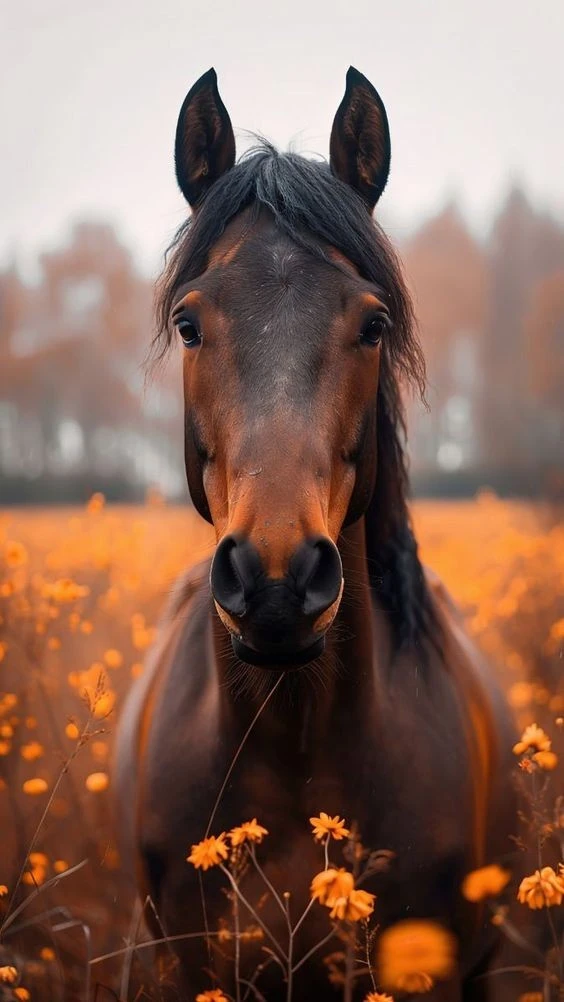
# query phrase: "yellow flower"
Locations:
[[414, 953], [543, 888], [96, 782], [331, 885], [35, 786], [486, 882], [532, 737], [378, 997], [214, 995], [209, 852], [359, 905], [546, 760], [15, 555], [326, 825], [8, 974], [249, 831]]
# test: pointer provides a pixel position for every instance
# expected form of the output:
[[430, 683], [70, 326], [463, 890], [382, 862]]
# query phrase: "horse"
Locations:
[[314, 663]]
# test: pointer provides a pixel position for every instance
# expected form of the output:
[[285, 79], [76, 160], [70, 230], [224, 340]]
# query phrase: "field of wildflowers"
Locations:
[[80, 593]]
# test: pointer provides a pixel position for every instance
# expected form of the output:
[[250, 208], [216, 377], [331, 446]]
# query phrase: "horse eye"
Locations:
[[189, 333], [375, 328]]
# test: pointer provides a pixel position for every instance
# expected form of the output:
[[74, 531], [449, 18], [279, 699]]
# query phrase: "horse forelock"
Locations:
[[323, 215]]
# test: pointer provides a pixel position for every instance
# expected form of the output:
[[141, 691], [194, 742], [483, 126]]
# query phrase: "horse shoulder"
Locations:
[[490, 727]]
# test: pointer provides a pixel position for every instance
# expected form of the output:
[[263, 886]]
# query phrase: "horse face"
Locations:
[[282, 352]]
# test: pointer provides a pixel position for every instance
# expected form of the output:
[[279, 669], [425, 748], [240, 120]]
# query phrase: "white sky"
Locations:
[[90, 92]]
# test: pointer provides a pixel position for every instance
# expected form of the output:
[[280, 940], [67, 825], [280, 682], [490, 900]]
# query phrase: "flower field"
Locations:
[[80, 594]]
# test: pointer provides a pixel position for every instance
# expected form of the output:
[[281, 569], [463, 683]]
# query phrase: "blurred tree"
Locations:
[[447, 271]]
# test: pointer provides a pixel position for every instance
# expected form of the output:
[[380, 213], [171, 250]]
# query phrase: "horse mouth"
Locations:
[[278, 659]]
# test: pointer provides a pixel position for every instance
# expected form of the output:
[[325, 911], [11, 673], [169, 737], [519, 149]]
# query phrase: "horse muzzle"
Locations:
[[277, 622]]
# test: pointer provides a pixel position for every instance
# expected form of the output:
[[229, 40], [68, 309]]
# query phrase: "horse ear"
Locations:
[[205, 145], [360, 139]]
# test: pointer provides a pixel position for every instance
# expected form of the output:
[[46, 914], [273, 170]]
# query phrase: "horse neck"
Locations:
[[347, 678]]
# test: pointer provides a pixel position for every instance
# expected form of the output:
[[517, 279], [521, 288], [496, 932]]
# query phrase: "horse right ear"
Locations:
[[205, 145], [360, 139]]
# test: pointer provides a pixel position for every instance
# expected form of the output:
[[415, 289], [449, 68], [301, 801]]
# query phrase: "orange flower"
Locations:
[[97, 782], [417, 982], [96, 503], [543, 888], [3, 890], [46, 953], [15, 555], [35, 786], [60, 865], [113, 658], [546, 760], [32, 751], [72, 731], [359, 905], [378, 997], [486, 882], [331, 885], [532, 737], [21, 994], [249, 831], [326, 825], [208, 852], [8, 974], [413, 954], [65, 590], [531, 997], [214, 995]]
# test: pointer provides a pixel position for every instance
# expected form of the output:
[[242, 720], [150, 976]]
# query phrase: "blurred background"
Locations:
[[88, 203]]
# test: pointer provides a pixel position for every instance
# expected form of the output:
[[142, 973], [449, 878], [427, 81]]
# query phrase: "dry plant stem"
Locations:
[[262, 874], [136, 917], [290, 975], [66, 765], [536, 807], [238, 752], [150, 943], [314, 949], [211, 958], [250, 908], [235, 902], [368, 964], [39, 889]]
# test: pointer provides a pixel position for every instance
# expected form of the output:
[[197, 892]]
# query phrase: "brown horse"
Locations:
[[298, 329]]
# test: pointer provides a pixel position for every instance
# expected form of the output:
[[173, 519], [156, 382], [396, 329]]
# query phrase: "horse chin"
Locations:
[[278, 660]]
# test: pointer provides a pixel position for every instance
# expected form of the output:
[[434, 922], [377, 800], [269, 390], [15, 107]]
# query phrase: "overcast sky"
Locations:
[[90, 92]]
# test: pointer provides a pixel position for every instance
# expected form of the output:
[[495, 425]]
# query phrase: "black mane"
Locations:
[[315, 209]]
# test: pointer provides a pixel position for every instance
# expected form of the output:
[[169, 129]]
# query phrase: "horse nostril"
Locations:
[[317, 571], [235, 572]]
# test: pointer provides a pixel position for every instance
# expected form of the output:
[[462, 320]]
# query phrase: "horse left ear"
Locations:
[[205, 145], [360, 139]]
